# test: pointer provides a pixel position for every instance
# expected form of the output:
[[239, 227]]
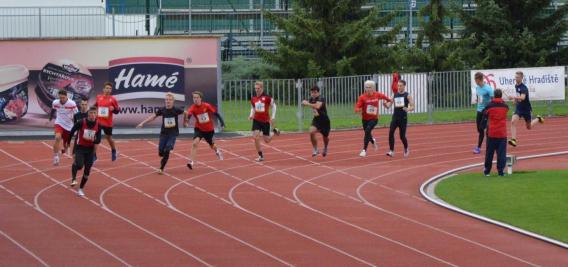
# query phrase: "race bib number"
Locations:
[[169, 122], [315, 111], [372, 110], [103, 112], [203, 118], [89, 134], [259, 107], [399, 102]]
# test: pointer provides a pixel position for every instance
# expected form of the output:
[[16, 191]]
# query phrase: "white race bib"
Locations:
[[399, 102], [372, 110], [203, 118], [169, 122], [102, 112], [259, 106], [89, 134], [315, 111]]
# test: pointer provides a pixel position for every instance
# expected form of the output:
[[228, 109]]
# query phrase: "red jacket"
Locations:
[[496, 113], [369, 105], [104, 115]]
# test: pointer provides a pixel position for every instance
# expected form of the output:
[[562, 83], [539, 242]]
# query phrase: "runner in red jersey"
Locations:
[[368, 105], [89, 135], [204, 128], [107, 106], [261, 118]]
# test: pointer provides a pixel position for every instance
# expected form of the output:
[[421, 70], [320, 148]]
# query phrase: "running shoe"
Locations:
[[324, 153], [406, 153], [513, 142], [276, 131], [190, 165], [80, 192], [73, 182], [55, 160], [390, 154], [219, 154], [476, 150], [363, 153], [260, 158], [540, 119], [114, 155], [315, 152], [375, 144]]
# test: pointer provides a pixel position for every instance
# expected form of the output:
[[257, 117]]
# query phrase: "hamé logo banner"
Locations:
[[149, 77]]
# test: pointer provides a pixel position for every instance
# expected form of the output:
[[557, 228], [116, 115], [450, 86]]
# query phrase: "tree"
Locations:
[[433, 29], [241, 68], [515, 33], [330, 38], [439, 53]]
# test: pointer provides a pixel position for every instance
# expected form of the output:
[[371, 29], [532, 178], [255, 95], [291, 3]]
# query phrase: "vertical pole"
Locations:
[[261, 23], [411, 6], [409, 26], [113, 24], [429, 93], [39, 12], [160, 18], [300, 114], [147, 17], [189, 17]]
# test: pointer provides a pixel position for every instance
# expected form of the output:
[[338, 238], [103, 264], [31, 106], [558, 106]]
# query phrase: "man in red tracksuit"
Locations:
[[496, 114]]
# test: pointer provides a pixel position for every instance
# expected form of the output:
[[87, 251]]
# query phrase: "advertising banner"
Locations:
[[545, 83], [142, 71]]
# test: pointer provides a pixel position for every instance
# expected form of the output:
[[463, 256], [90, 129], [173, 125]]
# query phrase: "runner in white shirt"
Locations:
[[65, 108]]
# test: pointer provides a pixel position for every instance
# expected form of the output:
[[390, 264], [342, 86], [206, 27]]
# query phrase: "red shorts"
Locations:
[[66, 135]]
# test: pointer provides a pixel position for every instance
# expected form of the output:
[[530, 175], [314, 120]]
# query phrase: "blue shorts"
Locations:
[[167, 142], [524, 114]]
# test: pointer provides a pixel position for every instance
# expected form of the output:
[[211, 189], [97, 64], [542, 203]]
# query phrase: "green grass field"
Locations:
[[342, 116], [533, 200]]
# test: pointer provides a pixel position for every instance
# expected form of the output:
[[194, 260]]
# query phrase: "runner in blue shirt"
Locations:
[[523, 109], [484, 94]]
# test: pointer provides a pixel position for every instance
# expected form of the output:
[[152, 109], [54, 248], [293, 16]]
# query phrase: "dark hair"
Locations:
[[107, 83], [200, 94], [520, 73], [62, 92], [479, 76], [498, 93], [402, 81], [315, 88], [92, 108], [84, 98]]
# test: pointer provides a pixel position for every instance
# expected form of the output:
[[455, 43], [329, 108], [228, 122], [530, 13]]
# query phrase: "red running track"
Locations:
[[288, 210]]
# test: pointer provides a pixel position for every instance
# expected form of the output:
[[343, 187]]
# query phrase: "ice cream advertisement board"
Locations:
[[142, 70]]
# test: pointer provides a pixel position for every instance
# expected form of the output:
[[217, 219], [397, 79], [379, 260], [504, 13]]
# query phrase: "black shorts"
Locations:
[[323, 125], [525, 115], [481, 121], [208, 136], [83, 156], [264, 127], [106, 130]]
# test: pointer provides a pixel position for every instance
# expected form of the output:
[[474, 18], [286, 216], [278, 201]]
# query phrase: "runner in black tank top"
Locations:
[[320, 122], [403, 103]]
